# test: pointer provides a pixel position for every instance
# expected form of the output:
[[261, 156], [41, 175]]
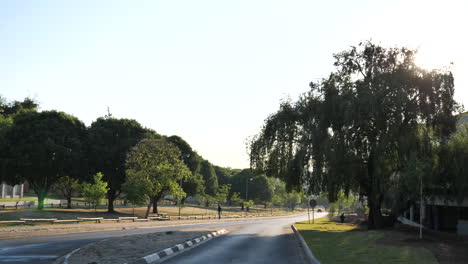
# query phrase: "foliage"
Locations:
[[261, 189], [239, 181], [194, 186], [156, 164], [67, 186], [135, 190], [222, 193], [344, 203], [96, 191], [47, 145], [223, 174], [292, 199], [109, 141], [248, 204], [234, 198], [209, 177], [353, 130], [8, 109], [455, 165]]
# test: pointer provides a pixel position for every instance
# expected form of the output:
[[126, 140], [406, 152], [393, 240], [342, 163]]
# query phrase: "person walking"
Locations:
[[219, 211]]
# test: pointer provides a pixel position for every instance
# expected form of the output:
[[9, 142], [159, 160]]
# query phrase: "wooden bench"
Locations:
[[141, 220], [123, 218], [66, 221], [13, 222], [38, 219], [95, 219]]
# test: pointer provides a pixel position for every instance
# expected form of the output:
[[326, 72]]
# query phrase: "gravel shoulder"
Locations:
[[129, 248]]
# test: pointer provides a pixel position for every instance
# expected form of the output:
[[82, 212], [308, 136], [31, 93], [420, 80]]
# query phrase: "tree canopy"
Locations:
[[47, 145], [359, 127], [109, 141], [209, 177], [156, 163]]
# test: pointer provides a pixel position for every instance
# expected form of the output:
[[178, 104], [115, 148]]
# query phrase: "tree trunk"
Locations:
[[41, 195], [148, 208], [375, 219], [155, 206], [69, 202], [110, 197]]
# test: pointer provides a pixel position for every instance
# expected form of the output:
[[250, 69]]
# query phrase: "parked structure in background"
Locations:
[[8, 191]]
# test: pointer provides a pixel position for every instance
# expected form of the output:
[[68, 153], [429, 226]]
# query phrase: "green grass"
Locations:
[[332, 242], [27, 198]]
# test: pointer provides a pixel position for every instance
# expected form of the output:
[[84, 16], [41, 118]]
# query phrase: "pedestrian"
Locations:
[[219, 211], [342, 218]]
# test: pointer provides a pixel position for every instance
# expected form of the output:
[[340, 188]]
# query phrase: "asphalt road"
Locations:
[[270, 238], [269, 241]]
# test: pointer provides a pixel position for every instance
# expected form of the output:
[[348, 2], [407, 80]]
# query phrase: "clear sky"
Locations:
[[208, 71]]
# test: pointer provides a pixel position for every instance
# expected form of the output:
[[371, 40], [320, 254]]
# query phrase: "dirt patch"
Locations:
[[446, 248], [129, 248]]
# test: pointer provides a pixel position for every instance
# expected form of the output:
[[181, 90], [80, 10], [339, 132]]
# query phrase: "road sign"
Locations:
[[313, 203]]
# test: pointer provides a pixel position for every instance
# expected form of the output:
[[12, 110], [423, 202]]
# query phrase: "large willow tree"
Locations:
[[359, 129]]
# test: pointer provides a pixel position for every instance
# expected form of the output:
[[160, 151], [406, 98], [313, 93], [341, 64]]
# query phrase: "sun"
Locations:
[[431, 59]]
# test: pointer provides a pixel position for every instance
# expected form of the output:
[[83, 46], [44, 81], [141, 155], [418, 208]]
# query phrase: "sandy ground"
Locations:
[[129, 248]]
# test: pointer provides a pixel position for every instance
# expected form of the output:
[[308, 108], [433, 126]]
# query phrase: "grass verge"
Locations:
[[333, 242]]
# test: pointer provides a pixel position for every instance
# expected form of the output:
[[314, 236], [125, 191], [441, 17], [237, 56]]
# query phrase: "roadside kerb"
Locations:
[[309, 256], [165, 253]]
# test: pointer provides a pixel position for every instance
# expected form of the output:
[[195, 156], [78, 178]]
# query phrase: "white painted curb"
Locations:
[[310, 257], [165, 253]]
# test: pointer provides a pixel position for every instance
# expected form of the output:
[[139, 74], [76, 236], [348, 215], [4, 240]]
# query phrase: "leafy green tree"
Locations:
[[292, 199], [194, 185], [109, 141], [239, 182], [454, 166], [209, 177], [248, 204], [96, 191], [356, 128], [261, 190], [223, 174], [156, 163], [67, 186], [43, 147], [8, 109], [234, 198], [135, 190], [222, 193]]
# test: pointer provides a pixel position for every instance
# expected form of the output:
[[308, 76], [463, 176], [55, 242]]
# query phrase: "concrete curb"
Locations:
[[309, 256], [165, 253]]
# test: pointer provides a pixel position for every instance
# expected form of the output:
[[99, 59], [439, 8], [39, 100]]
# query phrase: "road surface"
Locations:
[[257, 240]]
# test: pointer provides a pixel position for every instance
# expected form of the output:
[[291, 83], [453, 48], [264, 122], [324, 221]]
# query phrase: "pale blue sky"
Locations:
[[209, 71]]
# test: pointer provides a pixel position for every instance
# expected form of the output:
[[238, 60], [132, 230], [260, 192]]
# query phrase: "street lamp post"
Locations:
[[247, 189]]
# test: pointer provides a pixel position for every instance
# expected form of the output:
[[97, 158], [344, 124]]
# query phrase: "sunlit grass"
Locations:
[[333, 242]]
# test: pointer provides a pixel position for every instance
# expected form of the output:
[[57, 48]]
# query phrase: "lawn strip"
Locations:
[[333, 242]]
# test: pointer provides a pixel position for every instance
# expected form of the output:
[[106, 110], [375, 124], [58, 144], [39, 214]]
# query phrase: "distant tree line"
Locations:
[[118, 157]]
